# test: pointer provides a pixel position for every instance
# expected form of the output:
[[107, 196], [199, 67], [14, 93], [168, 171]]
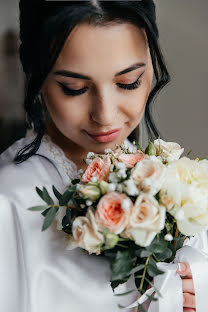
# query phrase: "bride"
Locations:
[[89, 67]]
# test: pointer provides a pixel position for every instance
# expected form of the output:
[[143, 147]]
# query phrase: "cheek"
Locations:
[[137, 102], [66, 113]]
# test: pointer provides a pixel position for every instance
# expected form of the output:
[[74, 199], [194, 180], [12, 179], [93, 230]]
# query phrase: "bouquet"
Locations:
[[135, 208]]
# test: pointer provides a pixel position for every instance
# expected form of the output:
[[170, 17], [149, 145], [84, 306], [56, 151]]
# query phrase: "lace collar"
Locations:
[[54, 152]]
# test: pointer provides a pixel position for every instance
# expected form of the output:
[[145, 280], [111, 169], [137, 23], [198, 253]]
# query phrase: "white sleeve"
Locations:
[[12, 275]]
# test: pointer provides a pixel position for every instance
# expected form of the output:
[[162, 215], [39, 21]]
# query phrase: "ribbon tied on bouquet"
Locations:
[[169, 284]]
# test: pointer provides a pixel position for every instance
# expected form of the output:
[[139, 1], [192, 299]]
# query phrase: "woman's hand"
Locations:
[[189, 304]]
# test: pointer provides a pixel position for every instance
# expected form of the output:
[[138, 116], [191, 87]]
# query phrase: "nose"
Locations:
[[104, 110]]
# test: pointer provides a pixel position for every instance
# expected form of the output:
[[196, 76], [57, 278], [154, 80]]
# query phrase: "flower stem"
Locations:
[[142, 280]]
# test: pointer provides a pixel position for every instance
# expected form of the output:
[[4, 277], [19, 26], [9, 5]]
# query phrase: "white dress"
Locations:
[[37, 274]]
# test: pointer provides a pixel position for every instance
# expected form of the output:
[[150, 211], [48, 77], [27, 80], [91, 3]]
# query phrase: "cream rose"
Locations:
[[85, 234], [185, 194], [169, 150], [146, 220], [110, 213], [149, 175]]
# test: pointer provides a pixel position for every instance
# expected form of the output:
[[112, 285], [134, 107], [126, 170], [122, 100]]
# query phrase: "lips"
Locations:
[[107, 136], [105, 132]]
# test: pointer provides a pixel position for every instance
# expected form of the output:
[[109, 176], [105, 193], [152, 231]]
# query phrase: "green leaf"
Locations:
[[45, 196], [67, 218], [65, 198], [49, 218], [137, 269], [75, 181], [145, 253], [158, 246], [166, 254], [45, 211], [37, 208], [122, 264], [56, 192], [179, 243], [153, 270]]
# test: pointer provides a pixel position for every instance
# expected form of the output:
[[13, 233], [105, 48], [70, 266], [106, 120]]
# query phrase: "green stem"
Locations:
[[122, 245], [142, 280]]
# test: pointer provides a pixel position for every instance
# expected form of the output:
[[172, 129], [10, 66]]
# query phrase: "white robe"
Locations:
[[37, 274]]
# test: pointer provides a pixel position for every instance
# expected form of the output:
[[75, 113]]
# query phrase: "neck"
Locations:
[[67, 146]]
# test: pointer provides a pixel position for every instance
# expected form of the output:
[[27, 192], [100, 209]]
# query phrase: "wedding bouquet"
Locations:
[[135, 208]]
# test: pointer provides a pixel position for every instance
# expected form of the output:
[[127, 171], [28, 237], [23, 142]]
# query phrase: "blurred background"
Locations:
[[180, 110]]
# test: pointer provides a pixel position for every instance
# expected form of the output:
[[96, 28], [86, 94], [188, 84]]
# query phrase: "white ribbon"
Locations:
[[169, 284]]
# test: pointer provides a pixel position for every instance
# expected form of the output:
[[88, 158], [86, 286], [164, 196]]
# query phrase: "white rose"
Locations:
[[149, 175], [169, 150], [185, 194], [85, 234], [146, 220]]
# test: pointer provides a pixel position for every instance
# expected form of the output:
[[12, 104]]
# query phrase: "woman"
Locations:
[[89, 67]]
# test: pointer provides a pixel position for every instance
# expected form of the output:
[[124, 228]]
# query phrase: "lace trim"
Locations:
[[56, 153], [59, 156]]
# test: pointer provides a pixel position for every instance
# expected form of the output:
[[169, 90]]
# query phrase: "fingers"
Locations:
[[189, 300], [184, 269], [189, 310], [188, 286]]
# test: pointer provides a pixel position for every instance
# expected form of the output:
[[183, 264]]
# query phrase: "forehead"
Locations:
[[103, 48]]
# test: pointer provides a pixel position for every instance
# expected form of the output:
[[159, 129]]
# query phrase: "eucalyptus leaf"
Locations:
[[166, 254], [45, 211], [158, 246], [153, 270], [56, 192], [50, 216], [37, 208], [137, 269], [75, 181], [145, 253], [179, 243], [122, 264], [64, 199]]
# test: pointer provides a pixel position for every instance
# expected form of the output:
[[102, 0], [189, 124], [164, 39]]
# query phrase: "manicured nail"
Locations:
[[181, 268]]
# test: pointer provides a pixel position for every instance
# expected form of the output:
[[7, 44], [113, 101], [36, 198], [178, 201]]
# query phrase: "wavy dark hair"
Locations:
[[44, 28]]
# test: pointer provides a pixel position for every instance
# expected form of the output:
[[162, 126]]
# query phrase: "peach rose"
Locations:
[[131, 159], [149, 175], [110, 212], [99, 168]]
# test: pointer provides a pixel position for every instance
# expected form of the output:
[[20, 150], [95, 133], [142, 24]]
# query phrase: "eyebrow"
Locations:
[[67, 73]]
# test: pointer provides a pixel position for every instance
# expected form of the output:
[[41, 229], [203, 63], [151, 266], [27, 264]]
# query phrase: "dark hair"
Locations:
[[44, 28]]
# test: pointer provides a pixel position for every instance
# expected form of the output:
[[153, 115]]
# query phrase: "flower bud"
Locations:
[[150, 149], [103, 186], [91, 192], [111, 239]]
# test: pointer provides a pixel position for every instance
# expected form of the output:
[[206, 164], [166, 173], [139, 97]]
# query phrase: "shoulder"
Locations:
[[18, 179]]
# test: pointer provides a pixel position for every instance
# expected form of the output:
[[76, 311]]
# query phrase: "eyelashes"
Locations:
[[72, 92]]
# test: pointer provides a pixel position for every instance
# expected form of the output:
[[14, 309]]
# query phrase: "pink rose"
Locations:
[[131, 159], [111, 214], [99, 168]]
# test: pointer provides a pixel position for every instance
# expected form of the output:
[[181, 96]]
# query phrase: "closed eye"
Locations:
[[72, 92]]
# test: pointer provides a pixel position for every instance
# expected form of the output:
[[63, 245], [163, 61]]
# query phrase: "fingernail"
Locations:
[[181, 268]]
